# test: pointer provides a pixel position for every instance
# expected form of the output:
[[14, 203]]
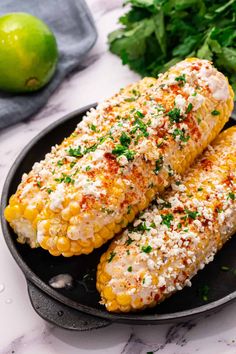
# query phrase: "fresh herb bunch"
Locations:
[[156, 34]]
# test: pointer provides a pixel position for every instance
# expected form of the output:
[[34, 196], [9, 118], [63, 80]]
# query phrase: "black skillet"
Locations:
[[78, 308]]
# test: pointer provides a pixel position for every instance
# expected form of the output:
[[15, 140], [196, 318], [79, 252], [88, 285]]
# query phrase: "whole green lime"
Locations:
[[28, 53]]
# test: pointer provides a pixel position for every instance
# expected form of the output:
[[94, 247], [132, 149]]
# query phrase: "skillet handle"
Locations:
[[60, 315]]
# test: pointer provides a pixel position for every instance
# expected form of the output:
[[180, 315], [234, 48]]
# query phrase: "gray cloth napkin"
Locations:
[[72, 24]]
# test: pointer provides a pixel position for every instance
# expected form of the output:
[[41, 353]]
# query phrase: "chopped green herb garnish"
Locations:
[[107, 211], [163, 205], [153, 225], [189, 108], [181, 79], [179, 226], [68, 179], [88, 168], [65, 178], [141, 227], [39, 184], [102, 139], [225, 268], [170, 171], [60, 163], [175, 115], [155, 34], [111, 256], [129, 241], [231, 196], [72, 164], [122, 150], [130, 99], [93, 127], [129, 209], [146, 249], [191, 214], [138, 124], [125, 139], [90, 149], [129, 269], [49, 190], [166, 219], [200, 189], [159, 164], [218, 210], [199, 120], [215, 112], [128, 252], [139, 114], [203, 292], [76, 152], [181, 134]]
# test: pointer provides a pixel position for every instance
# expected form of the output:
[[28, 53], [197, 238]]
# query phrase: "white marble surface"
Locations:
[[21, 330]]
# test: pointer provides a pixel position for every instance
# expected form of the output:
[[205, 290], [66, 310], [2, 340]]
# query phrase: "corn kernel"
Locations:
[[87, 250], [66, 214], [130, 217], [12, 212], [150, 194], [117, 228], [13, 200], [98, 241], [74, 208], [30, 212], [63, 244], [108, 293], [104, 277], [75, 247], [124, 222], [97, 228], [112, 306], [85, 243], [67, 254], [123, 299], [55, 252], [125, 308], [44, 243], [143, 204], [137, 303], [111, 226], [106, 233], [72, 233]]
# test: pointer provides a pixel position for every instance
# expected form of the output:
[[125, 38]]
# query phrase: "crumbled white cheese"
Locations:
[[196, 101], [57, 197], [150, 264], [26, 189], [180, 103]]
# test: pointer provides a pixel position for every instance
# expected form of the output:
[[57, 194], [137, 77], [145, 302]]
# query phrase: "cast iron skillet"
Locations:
[[78, 308]]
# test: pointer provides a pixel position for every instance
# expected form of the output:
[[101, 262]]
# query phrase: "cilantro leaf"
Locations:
[[156, 34]]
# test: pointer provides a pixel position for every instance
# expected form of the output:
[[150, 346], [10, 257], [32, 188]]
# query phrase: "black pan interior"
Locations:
[[215, 282]]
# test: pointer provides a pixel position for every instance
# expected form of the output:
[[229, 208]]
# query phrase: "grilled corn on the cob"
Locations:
[[175, 237], [121, 154]]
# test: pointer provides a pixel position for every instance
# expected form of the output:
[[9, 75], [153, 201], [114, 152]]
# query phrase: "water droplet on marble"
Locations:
[[2, 288], [8, 301]]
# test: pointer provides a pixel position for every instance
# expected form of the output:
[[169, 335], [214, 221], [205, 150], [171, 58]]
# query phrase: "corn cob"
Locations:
[[176, 236], [118, 158]]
